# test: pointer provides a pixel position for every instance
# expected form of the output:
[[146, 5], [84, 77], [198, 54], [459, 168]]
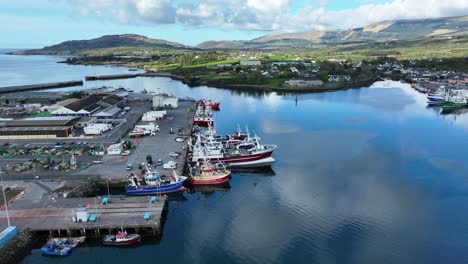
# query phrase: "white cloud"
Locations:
[[264, 15]]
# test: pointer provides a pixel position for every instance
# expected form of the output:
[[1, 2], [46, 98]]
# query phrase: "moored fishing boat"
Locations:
[[257, 155], [153, 183], [208, 173], [121, 239], [210, 104], [67, 241], [203, 116], [456, 100], [56, 249], [437, 98]]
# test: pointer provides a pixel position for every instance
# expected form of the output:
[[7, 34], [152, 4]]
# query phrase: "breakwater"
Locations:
[[41, 86]]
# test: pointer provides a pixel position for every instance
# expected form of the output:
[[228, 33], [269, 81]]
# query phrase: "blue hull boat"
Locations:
[[150, 190], [56, 250], [154, 184]]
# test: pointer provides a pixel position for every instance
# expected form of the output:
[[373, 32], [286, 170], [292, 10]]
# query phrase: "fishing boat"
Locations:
[[153, 183], [56, 249], [257, 156], [208, 173], [456, 100], [210, 104], [437, 98], [67, 241], [121, 239], [203, 116]]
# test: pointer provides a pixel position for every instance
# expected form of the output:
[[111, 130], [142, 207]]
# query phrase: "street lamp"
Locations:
[[4, 198]]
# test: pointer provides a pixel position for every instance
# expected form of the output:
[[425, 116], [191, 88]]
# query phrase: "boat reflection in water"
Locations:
[[208, 190]]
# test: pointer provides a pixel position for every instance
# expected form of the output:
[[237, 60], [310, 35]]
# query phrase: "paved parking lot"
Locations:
[[158, 147]]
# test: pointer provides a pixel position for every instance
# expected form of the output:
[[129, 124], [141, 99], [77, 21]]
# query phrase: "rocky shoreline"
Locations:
[[18, 248]]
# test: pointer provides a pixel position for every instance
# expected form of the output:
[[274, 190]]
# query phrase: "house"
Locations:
[[457, 79], [303, 83], [339, 78]]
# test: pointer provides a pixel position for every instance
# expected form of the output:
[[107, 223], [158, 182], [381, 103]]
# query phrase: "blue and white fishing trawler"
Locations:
[[437, 98], [153, 183]]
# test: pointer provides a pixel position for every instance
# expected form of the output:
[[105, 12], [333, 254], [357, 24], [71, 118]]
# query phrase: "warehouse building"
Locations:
[[38, 127], [87, 106]]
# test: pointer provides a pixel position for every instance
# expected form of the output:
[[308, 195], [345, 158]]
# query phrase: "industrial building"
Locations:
[[161, 101], [38, 127], [87, 106]]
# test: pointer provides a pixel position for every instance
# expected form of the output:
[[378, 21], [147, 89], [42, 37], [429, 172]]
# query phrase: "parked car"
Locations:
[[159, 163], [170, 165], [126, 153], [179, 139], [174, 154], [129, 167], [97, 162]]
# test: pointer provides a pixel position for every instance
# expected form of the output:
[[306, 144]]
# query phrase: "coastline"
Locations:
[[263, 88]]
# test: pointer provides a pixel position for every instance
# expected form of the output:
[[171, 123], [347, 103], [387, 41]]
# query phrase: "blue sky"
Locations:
[[37, 23]]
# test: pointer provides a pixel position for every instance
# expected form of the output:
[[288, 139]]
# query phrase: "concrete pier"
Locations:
[[43, 86], [54, 216]]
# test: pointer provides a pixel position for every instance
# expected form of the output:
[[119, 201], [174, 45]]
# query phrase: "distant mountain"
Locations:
[[382, 31], [105, 42]]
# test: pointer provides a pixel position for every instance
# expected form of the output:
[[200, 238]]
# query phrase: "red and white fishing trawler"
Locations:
[[203, 116], [256, 155], [208, 173], [210, 104]]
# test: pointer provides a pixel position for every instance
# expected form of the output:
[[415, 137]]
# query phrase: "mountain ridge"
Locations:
[[391, 30]]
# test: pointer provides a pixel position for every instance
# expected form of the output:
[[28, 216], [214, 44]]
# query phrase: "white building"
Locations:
[[115, 149], [165, 101], [250, 63]]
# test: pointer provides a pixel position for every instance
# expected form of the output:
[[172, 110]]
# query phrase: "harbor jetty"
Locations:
[[42, 86], [90, 217], [110, 77]]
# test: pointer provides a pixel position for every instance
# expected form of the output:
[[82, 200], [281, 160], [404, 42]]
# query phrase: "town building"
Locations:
[[250, 63], [303, 83]]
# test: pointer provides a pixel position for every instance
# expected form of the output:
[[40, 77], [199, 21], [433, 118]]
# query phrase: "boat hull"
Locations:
[[150, 190], [129, 242], [203, 123], [209, 181], [47, 251], [260, 163]]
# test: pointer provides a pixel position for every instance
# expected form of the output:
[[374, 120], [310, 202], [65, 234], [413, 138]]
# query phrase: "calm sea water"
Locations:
[[362, 176]]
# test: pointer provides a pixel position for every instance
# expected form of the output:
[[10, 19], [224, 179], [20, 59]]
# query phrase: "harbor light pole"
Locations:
[[4, 198], [108, 190]]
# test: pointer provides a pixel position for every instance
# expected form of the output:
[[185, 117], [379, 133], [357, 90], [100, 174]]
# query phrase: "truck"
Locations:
[[96, 129], [150, 127]]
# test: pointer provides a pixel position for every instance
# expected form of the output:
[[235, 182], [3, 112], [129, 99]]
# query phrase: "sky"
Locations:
[[39, 23]]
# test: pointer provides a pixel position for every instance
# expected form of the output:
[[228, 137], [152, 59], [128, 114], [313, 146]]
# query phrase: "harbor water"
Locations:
[[366, 175]]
